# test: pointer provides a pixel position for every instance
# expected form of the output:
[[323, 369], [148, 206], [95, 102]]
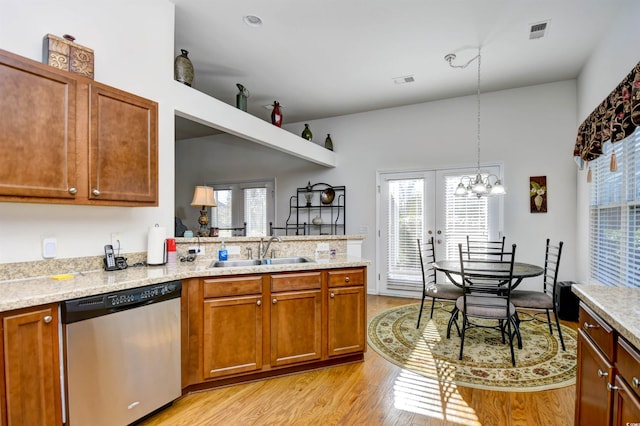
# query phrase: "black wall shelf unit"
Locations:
[[317, 209]]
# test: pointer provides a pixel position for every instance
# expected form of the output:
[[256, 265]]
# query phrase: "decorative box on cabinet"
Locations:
[[70, 140]]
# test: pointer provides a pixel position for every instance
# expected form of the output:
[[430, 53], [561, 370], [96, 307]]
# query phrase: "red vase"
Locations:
[[276, 115]]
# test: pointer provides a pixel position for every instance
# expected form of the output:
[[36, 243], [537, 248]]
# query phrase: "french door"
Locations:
[[420, 205]]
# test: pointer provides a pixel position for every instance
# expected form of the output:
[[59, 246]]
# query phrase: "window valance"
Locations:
[[614, 119]]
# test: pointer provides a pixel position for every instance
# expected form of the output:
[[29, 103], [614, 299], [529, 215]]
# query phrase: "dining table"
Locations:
[[489, 270]]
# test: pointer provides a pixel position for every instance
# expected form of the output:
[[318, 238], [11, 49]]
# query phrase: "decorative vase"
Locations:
[[276, 115], [241, 97], [306, 133], [183, 68], [328, 143]]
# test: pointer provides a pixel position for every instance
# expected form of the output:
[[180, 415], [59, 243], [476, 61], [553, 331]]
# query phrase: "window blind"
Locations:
[[255, 211], [222, 215], [614, 215], [405, 226], [463, 216]]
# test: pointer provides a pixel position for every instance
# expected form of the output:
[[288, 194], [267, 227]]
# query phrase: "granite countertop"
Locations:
[[29, 292], [618, 306]]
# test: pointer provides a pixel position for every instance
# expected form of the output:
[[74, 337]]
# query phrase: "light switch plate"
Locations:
[[49, 248]]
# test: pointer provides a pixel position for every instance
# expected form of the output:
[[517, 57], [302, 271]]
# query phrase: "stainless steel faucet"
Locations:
[[263, 249]]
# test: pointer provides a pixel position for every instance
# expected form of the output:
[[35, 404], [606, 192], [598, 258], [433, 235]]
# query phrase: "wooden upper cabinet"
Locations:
[[67, 139], [37, 130], [123, 145]]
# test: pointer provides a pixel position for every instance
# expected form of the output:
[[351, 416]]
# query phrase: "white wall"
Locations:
[[609, 63], [530, 130], [133, 45]]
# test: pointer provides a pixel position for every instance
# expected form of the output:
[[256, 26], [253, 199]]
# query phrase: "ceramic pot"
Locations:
[[183, 68], [328, 143], [276, 115], [241, 97], [306, 133]]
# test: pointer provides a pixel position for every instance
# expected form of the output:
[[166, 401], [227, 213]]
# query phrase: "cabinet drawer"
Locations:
[[298, 281], [346, 277], [232, 286], [628, 363], [599, 331]]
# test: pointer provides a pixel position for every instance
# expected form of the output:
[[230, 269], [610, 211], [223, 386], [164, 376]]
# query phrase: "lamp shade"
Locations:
[[204, 196]]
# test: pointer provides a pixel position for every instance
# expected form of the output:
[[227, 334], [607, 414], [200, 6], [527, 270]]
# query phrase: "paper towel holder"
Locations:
[[205, 197]]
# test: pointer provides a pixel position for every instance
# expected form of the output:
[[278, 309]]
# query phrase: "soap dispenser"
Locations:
[[223, 254]]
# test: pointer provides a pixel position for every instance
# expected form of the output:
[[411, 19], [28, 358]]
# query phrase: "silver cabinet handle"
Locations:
[[635, 382], [602, 373], [259, 302], [611, 387], [332, 295], [587, 325], [73, 191], [95, 192], [47, 319], [274, 301], [347, 279]]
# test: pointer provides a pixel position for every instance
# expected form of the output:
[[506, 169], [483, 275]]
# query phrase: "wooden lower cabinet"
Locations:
[[232, 331], [626, 404], [31, 367], [346, 311], [245, 327], [593, 399]]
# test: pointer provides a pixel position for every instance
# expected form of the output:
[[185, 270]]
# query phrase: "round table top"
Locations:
[[520, 269]]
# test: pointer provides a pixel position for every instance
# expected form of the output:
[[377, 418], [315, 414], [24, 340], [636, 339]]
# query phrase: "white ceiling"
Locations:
[[333, 57]]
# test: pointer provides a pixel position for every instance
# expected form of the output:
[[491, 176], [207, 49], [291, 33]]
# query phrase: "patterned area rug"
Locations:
[[540, 364]]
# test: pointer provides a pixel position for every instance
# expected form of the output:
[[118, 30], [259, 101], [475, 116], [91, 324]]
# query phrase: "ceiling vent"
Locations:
[[538, 30], [404, 79]]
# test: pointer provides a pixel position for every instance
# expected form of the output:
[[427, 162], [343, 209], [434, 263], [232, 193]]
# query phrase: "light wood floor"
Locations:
[[373, 392]]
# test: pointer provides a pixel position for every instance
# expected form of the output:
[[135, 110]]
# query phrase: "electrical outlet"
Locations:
[[196, 249], [116, 241]]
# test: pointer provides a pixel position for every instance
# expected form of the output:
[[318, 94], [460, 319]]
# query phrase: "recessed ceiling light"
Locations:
[[252, 20]]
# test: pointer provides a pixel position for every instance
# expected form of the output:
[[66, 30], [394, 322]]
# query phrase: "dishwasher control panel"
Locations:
[[104, 304]]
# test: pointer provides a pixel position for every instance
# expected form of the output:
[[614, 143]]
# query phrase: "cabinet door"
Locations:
[[31, 367], [123, 147], [232, 341], [346, 320], [37, 130], [626, 405], [296, 327], [593, 400]]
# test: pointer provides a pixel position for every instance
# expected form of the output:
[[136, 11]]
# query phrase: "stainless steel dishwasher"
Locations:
[[122, 354]]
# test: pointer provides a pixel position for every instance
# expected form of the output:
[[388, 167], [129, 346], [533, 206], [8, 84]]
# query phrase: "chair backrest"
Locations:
[[484, 249], [551, 266], [427, 255], [489, 279]]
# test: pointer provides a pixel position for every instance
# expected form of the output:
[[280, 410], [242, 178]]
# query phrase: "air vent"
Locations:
[[404, 79], [538, 30]]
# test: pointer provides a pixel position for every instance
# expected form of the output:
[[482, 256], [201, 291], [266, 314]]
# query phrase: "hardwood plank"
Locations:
[[374, 392]]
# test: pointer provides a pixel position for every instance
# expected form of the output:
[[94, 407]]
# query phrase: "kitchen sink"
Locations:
[[287, 260], [256, 262], [236, 263]]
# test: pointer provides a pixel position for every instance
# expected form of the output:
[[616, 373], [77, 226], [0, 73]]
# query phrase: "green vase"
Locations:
[[241, 97], [328, 143], [306, 133]]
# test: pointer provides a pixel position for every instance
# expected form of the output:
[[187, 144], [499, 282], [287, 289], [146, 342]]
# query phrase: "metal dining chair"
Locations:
[[488, 297], [484, 248], [430, 288], [544, 300]]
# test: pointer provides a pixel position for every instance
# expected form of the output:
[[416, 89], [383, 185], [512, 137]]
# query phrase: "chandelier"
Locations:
[[482, 184]]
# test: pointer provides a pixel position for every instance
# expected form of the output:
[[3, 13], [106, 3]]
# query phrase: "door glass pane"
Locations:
[[222, 215], [464, 216], [255, 211], [405, 226]]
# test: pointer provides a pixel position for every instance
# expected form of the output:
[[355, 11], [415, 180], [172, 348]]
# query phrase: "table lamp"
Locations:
[[203, 196]]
